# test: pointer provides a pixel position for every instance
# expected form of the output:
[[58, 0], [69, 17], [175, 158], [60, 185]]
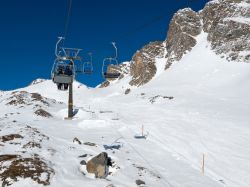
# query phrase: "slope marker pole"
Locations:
[[142, 129], [203, 164]]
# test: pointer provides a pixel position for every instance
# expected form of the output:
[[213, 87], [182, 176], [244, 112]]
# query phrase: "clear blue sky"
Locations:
[[29, 30]]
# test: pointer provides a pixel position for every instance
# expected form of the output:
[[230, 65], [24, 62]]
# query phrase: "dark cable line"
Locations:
[[147, 24], [154, 20], [66, 27], [151, 22]]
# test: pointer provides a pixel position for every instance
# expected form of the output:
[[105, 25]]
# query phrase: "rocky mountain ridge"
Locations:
[[227, 23]]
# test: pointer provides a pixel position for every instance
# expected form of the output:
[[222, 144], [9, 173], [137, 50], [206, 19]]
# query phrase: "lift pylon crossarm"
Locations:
[[71, 53]]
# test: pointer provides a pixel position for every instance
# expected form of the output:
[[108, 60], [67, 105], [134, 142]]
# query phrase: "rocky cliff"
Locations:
[[142, 67], [227, 23]]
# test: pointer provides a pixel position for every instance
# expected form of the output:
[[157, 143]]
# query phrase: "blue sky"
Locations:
[[29, 31]]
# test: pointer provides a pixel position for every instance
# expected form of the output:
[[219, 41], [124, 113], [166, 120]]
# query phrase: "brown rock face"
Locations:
[[184, 26], [43, 113], [225, 21], [228, 27], [10, 137], [8, 157], [104, 84], [143, 67], [98, 165]]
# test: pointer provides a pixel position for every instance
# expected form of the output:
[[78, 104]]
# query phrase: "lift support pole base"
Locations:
[[67, 118]]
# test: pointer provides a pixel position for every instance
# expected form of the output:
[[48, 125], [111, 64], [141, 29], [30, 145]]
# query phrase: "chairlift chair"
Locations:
[[112, 75], [84, 67], [62, 74], [88, 66], [110, 61], [79, 67], [63, 71], [106, 63]]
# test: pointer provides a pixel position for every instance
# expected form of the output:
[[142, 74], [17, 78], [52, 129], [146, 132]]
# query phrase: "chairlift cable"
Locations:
[[158, 18], [66, 26], [154, 20], [147, 24]]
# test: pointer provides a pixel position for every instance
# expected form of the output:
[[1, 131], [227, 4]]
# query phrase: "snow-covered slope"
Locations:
[[199, 106]]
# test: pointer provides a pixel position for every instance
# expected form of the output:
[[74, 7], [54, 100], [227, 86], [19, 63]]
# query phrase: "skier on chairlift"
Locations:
[[68, 70], [60, 70]]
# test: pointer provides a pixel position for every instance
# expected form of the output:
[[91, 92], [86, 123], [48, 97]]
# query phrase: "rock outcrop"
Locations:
[[25, 98], [13, 168], [10, 137], [183, 29], [34, 101], [140, 182], [43, 113], [98, 165], [25, 158], [227, 23], [143, 67]]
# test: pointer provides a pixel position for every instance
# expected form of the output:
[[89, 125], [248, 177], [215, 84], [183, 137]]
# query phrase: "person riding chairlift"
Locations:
[[60, 70], [68, 70]]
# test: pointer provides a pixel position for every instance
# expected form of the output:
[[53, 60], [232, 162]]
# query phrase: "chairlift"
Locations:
[[108, 62], [88, 66], [115, 145], [62, 74], [63, 71], [84, 67], [79, 67]]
